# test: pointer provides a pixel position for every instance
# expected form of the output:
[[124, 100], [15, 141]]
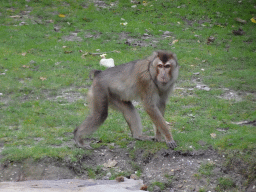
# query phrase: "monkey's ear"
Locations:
[[175, 56], [155, 54]]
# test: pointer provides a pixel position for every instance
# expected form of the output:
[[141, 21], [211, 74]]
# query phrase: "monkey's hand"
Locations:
[[171, 144]]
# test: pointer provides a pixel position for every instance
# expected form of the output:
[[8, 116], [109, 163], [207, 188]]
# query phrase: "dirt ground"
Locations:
[[177, 170]]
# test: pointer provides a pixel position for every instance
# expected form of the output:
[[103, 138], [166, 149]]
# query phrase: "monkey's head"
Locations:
[[166, 66]]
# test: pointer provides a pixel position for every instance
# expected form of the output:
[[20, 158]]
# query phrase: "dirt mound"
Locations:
[[168, 169]]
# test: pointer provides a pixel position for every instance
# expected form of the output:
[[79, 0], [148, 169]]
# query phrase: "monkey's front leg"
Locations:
[[160, 124]]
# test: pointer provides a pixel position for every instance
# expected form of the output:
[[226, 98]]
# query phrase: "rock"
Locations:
[[144, 188], [120, 179], [156, 189], [110, 163], [167, 33], [135, 177]]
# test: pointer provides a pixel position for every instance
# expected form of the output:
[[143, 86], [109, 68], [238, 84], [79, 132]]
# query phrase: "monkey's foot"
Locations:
[[171, 144], [80, 143]]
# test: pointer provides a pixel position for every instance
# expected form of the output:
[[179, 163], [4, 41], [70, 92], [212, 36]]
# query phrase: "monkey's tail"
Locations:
[[94, 73]]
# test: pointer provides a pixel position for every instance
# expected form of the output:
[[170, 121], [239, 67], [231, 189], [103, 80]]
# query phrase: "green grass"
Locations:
[[44, 79], [225, 184]]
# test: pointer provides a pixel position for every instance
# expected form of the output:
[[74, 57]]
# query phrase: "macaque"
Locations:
[[150, 81]]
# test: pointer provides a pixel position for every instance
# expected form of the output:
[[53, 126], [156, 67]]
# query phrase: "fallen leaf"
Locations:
[[144, 188], [67, 52], [213, 135], [15, 16], [240, 20], [120, 179], [125, 23], [211, 39], [253, 20], [24, 54], [25, 66], [49, 21], [62, 15], [175, 41], [43, 78], [238, 32]]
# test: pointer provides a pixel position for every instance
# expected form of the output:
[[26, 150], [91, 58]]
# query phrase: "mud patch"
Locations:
[[230, 95], [66, 96], [253, 123], [72, 37], [146, 40]]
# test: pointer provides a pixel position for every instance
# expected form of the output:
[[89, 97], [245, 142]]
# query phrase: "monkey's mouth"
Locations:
[[163, 82]]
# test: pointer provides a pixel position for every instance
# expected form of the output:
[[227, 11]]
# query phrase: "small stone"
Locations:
[[144, 188], [110, 164], [120, 179], [134, 177], [167, 33], [156, 189]]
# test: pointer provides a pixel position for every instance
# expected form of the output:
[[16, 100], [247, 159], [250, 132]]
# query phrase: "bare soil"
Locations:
[[178, 171]]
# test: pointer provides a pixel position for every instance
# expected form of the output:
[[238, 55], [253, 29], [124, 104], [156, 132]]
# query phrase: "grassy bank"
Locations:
[[45, 61]]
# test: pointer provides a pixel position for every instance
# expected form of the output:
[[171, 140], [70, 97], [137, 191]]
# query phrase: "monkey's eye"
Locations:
[[167, 66], [160, 65]]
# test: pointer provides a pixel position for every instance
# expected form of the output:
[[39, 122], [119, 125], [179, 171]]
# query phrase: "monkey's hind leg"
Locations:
[[130, 114], [99, 113]]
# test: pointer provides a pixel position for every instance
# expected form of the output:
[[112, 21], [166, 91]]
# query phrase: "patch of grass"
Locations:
[[205, 169], [156, 183], [225, 184], [44, 77], [95, 172], [115, 174]]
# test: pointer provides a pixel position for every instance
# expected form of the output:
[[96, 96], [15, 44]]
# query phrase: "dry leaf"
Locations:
[[62, 15], [238, 32], [49, 21], [110, 164], [240, 20], [15, 16], [25, 66], [120, 179], [144, 188], [175, 41], [43, 78], [253, 20], [24, 54], [211, 39], [213, 135]]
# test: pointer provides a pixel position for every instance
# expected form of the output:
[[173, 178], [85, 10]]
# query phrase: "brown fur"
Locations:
[[142, 80]]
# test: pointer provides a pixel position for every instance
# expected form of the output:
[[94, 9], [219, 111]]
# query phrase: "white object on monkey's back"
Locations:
[[106, 62]]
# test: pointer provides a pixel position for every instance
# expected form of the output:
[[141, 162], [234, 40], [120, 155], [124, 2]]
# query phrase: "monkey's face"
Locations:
[[164, 69]]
